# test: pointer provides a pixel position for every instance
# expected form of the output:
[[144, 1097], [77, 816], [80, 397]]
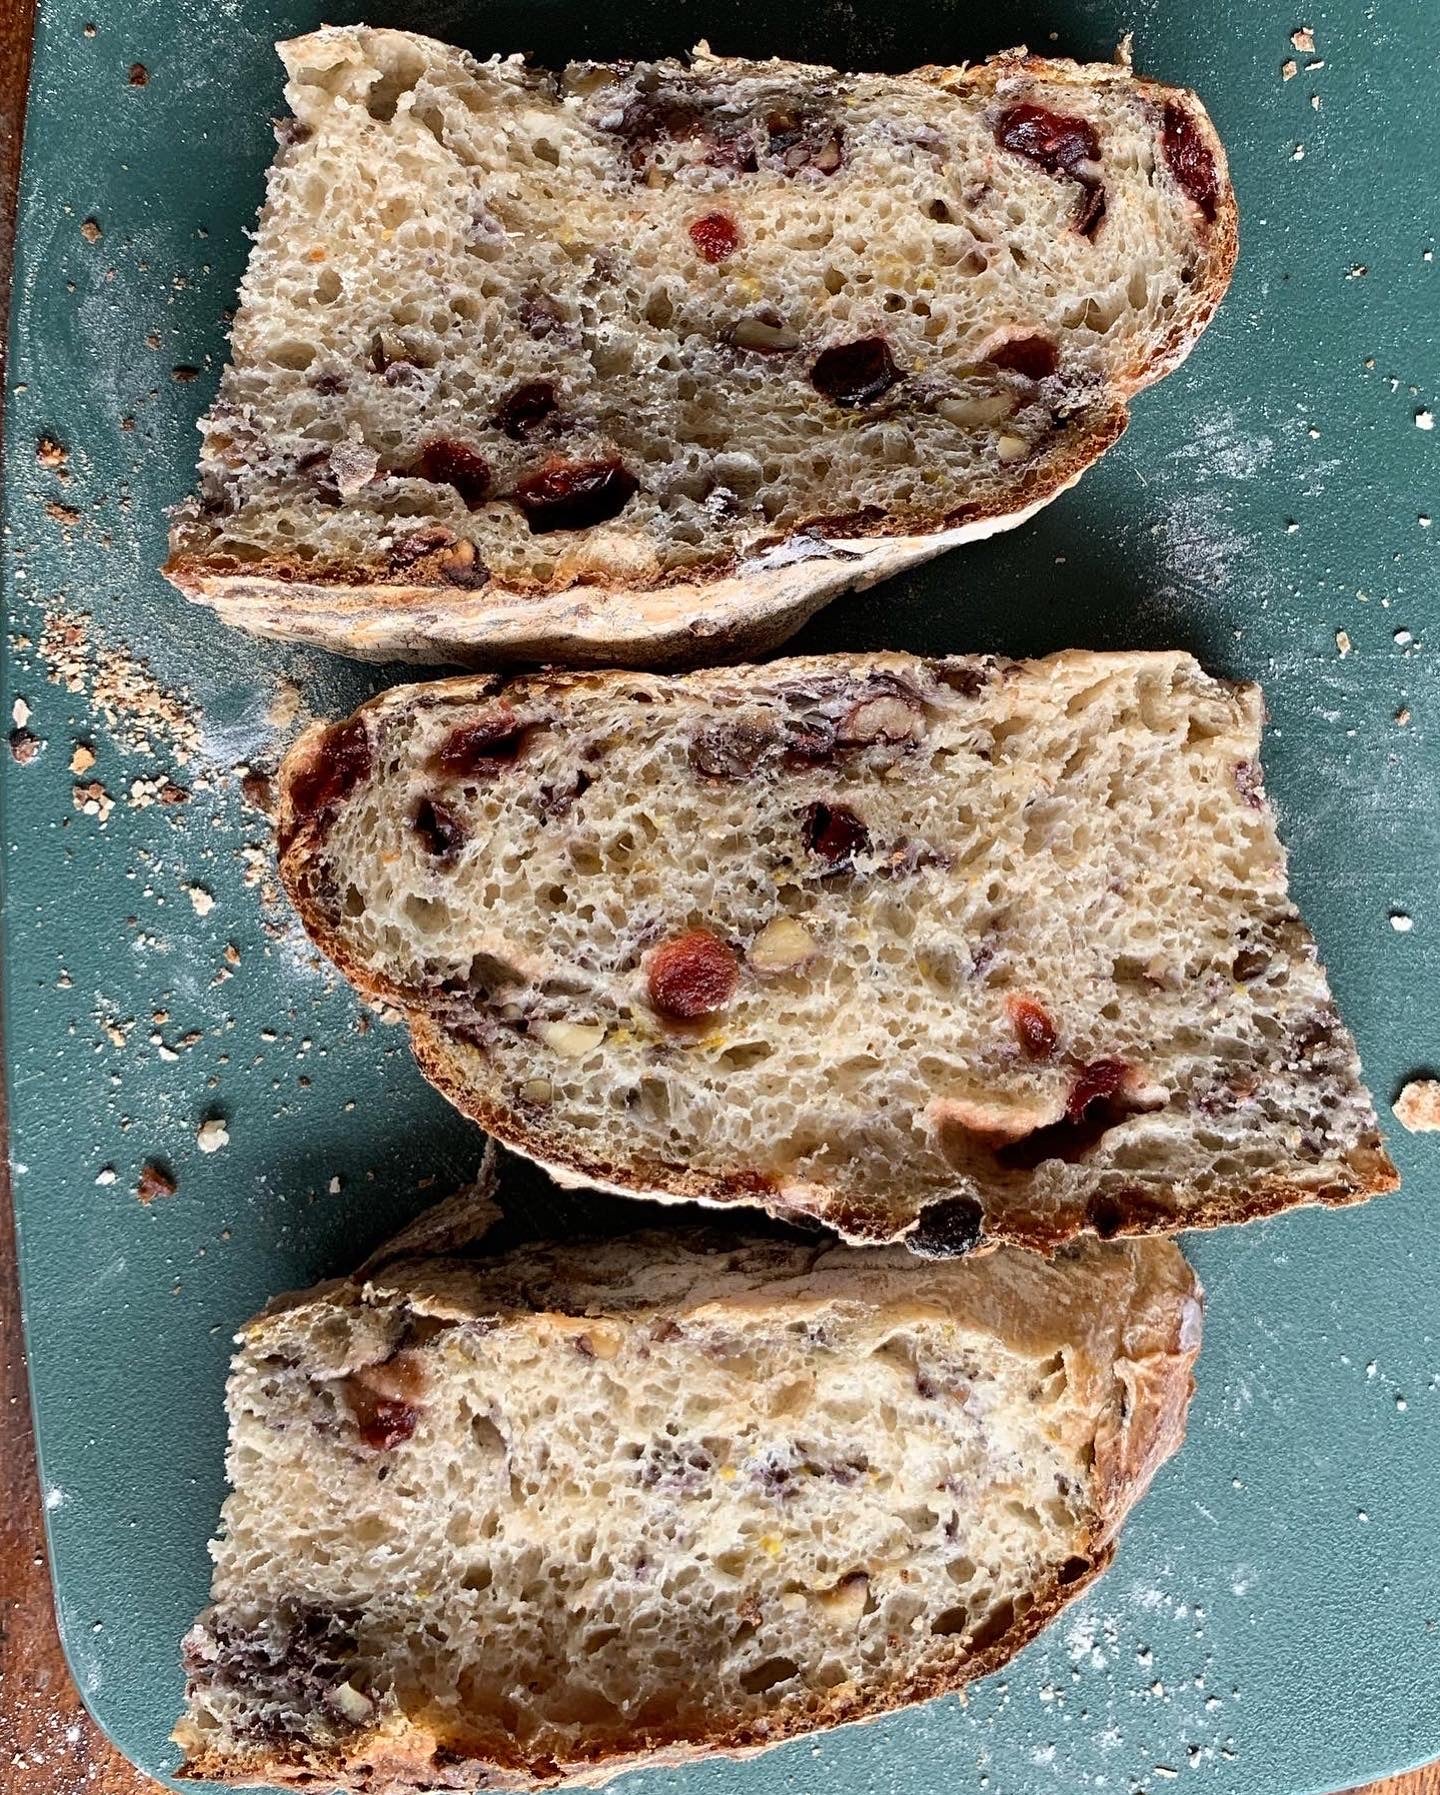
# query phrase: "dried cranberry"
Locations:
[[1096, 1082], [526, 407], [1033, 1025], [340, 761], [1058, 143], [692, 976], [439, 828], [573, 495], [947, 1230], [479, 750], [1190, 158], [835, 833], [855, 373], [1034, 357], [448, 463], [381, 1422], [1061, 145], [715, 236]]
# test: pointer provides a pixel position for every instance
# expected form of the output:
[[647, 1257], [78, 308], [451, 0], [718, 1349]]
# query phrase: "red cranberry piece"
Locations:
[[448, 463], [1034, 1027], [1061, 145], [526, 407], [835, 833], [1034, 357], [339, 762], [855, 373], [439, 828], [1190, 158], [1095, 1083], [692, 976], [715, 236], [1056, 142], [381, 1422], [481, 749], [573, 495]]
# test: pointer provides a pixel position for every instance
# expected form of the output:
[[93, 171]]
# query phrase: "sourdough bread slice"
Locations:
[[662, 1497], [645, 362], [949, 949]]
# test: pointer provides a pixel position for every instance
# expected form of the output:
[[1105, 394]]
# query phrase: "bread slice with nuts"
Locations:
[[944, 949], [650, 1499], [645, 362]]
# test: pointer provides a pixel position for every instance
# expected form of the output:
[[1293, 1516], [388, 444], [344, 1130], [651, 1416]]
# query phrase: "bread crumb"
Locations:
[[139, 75], [284, 706], [1417, 1108], [91, 231], [212, 1135], [20, 713], [1303, 38], [1401, 923], [92, 800], [232, 954], [202, 901], [106, 1175], [1424, 419], [1343, 642], [82, 759], [1289, 69], [49, 453], [67, 515], [154, 1181], [1402, 716]]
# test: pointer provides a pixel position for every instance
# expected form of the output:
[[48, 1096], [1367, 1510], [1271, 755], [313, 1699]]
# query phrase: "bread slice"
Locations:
[[646, 362], [952, 949], [661, 1497]]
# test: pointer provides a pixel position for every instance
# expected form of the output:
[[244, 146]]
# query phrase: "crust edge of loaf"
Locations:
[[1366, 1171], [731, 615], [1137, 1430]]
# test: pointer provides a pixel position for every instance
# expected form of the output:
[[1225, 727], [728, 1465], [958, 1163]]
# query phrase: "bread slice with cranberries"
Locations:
[[942, 949], [642, 1500], [645, 362]]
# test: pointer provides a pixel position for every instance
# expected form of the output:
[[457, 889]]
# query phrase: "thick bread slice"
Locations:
[[863, 936], [662, 1497], [647, 362]]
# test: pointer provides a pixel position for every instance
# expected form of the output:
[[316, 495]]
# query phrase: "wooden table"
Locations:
[[48, 1742]]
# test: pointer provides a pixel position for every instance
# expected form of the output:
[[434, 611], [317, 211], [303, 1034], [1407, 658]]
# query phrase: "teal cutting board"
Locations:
[[1272, 1624]]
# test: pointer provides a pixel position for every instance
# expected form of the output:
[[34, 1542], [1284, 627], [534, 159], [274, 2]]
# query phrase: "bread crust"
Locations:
[[735, 615], [1366, 1171], [649, 619], [1131, 1354]]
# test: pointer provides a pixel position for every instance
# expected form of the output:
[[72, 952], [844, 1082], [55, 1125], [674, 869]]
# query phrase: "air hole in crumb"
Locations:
[[766, 1675]]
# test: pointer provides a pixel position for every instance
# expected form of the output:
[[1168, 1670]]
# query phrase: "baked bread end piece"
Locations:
[[648, 1500]]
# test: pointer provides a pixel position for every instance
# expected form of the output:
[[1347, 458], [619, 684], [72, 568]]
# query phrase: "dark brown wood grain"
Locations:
[[48, 1743]]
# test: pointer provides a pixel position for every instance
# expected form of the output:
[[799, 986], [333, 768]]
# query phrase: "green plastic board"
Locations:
[[1272, 1624]]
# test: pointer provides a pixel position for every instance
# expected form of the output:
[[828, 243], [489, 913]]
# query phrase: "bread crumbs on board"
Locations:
[[1417, 1108], [121, 687]]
